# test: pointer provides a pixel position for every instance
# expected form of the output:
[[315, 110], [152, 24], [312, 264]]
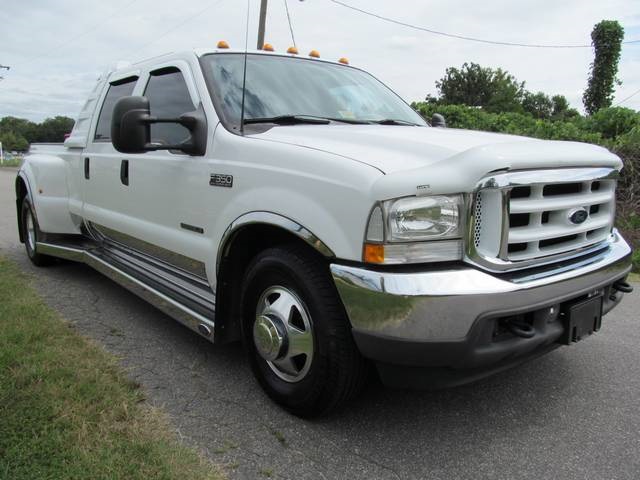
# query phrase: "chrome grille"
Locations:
[[525, 218]]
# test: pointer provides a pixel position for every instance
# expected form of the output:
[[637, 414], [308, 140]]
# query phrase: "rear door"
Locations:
[[104, 195]]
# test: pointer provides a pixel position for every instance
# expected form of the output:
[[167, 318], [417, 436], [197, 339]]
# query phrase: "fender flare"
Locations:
[[274, 219], [23, 177]]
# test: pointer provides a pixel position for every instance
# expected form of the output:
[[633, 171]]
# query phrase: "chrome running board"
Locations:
[[164, 292]]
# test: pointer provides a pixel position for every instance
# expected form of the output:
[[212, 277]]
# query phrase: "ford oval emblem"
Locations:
[[578, 216]]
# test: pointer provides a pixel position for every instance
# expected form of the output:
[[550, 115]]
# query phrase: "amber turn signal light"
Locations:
[[373, 253]]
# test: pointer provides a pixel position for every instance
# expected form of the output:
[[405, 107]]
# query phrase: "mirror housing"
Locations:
[[438, 120], [131, 132]]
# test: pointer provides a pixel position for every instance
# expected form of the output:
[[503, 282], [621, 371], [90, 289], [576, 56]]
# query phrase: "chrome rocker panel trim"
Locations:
[[181, 313], [443, 304]]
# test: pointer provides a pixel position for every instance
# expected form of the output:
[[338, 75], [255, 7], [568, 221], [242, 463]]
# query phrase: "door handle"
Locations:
[[124, 172], [86, 168]]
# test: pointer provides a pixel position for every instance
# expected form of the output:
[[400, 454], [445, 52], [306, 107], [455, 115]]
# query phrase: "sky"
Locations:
[[57, 48]]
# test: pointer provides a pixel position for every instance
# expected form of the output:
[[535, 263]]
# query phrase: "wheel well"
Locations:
[[237, 253], [21, 193]]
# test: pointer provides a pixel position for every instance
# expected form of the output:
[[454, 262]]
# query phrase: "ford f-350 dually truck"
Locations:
[[301, 206]]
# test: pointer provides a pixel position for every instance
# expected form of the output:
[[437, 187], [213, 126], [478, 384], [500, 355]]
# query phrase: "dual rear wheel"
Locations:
[[31, 234]]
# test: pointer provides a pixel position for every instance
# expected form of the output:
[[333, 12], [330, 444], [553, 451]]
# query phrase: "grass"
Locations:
[[67, 410], [279, 436], [13, 162]]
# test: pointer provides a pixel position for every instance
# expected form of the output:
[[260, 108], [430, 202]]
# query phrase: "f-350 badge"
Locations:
[[221, 180]]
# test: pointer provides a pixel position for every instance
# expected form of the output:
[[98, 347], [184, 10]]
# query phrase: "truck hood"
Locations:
[[395, 149]]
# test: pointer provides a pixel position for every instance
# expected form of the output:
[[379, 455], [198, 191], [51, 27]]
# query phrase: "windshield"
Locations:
[[286, 86]]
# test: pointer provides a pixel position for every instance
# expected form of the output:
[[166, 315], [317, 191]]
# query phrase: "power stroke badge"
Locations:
[[221, 180]]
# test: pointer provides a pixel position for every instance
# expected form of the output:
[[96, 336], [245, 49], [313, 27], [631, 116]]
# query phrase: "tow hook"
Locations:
[[521, 329], [622, 286]]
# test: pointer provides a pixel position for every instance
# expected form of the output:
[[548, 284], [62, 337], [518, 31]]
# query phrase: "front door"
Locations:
[[162, 215]]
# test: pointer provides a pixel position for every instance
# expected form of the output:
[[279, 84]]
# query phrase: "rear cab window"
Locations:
[[117, 90]]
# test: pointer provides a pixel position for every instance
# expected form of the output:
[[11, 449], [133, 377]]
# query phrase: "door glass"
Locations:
[[168, 98], [117, 90]]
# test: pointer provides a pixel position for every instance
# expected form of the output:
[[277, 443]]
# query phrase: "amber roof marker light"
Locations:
[[292, 50], [223, 44], [314, 54], [344, 61], [267, 47]]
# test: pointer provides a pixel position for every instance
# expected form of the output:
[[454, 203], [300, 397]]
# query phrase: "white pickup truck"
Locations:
[[308, 211]]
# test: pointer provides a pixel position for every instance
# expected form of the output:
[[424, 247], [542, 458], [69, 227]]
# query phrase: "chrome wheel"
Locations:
[[283, 334], [30, 230]]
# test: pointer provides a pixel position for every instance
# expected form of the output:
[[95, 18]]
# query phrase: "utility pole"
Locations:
[[262, 25]]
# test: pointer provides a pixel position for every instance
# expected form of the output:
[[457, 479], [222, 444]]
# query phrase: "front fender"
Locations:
[[270, 218]]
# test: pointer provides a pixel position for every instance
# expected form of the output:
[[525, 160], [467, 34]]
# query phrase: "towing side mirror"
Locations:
[[130, 128], [130, 132], [438, 120]]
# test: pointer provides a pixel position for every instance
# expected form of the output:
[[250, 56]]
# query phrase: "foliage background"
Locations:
[[17, 133]]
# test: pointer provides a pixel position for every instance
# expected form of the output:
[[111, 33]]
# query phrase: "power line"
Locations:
[[80, 35], [627, 98], [461, 37], [286, 6], [175, 27]]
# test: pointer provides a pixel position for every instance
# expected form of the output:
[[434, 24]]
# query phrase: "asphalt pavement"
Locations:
[[572, 414]]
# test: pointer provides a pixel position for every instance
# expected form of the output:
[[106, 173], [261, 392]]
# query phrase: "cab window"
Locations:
[[168, 98], [117, 90]]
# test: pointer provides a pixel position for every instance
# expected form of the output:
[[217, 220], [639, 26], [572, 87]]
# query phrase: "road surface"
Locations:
[[573, 414]]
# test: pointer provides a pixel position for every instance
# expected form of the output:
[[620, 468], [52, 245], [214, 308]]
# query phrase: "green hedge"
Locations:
[[617, 129]]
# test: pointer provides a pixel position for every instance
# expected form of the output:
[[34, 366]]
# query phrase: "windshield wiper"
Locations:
[[351, 121], [289, 120], [311, 119], [392, 121]]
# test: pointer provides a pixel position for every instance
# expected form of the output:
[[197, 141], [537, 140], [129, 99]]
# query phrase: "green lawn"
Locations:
[[67, 411], [14, 162]]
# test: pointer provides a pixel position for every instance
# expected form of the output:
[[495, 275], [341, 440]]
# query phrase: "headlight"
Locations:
[[424, 218], [414, 230]]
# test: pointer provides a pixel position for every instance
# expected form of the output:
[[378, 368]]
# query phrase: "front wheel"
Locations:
[[31, 231], [297, 334]]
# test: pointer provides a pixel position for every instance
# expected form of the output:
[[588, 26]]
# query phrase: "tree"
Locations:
[[561, 110], [614, 121], [50, 130], [54, 129], [537, 104], [494, 90], [606, 39], [10, 142]]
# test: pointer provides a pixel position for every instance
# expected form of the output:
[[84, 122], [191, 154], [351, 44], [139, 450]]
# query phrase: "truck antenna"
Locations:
[[244, 70]]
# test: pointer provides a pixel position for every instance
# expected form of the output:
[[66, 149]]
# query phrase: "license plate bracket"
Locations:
[[581, 319]]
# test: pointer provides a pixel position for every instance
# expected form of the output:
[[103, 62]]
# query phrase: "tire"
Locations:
[[331, 370], [31, 230]]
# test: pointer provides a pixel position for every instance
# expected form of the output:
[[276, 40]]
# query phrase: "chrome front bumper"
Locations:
[[443, 304]]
